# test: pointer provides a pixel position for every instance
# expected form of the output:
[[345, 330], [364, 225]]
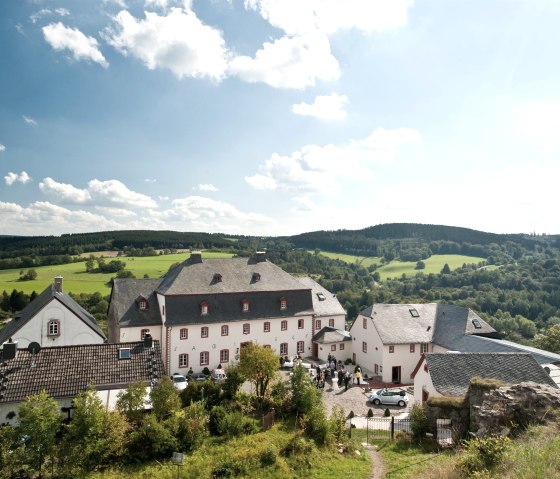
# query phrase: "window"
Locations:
[[476, 324], [341, 347], [204, 308], [267, 346], [246, 328], [426, 367], [204, 358], [331, 322], [284, 349], [317, 324], [143, 333], [183, 360], [143, 304], [365, 323], [245, 305], [380, 369], [424, 348], [204, 332], [224, 355], [283, 303], [376, 369], [284, 325], [391, 349], [321, 296], [300, 323], [266, 327], [184, 333], [53, 327], [300, 347], [412, 348], [333, 347], [124, 353], [414, 313], [364, 347], [225, 330]]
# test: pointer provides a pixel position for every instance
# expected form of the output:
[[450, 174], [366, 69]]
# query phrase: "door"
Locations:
[[315, 350], [396, 375]]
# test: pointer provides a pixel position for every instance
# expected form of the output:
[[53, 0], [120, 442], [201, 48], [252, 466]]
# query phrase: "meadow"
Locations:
[[76, 280], [395, 269]]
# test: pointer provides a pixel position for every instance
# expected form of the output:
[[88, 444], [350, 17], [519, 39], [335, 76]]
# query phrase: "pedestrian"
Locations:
[[340, 377], [358, 376], [346, 380]]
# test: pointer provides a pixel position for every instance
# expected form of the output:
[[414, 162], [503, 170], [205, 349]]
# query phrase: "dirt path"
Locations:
[[376, 460]]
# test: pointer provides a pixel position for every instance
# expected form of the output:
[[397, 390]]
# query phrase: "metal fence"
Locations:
[[387, 428]]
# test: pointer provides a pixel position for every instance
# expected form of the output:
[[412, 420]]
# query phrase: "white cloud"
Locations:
[[302, 16], [289, 62], [2, 148], [205, 187], [150, 180], [198, 213], [64, 192], [29, 120], [19, 28], [63, 12], [538, 122], [178, 41], [118, 3], [304, 203], [325, 107], [317, 168], [100, 193], [12, 177], [163, 198], [82, 47]]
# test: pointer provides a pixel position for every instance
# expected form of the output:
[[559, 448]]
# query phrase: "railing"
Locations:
[[384, 428]]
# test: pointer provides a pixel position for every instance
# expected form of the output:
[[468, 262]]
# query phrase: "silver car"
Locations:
[[388, 396]]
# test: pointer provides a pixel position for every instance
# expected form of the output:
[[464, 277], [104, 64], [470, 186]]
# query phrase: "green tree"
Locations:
[[165, 399], [131, 402], [90, 264], [420, 265], [40, 421], [259, 365], [192, 424], [446, 269], [233, 381], [549, 340]]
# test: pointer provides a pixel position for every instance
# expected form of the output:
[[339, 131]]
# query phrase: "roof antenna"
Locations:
[[33, 349]]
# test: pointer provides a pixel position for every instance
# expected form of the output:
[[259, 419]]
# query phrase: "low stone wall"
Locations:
[[455, 410]]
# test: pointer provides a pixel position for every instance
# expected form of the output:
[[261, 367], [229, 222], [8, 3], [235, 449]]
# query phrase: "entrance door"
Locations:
[[396, 375], [315, 350]]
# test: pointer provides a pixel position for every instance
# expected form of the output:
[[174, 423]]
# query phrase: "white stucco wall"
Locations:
[[325, 349], [135, 334], [7, 408], [369, 335], [401, 357], [72, 329], [423, 382], [215, 342]]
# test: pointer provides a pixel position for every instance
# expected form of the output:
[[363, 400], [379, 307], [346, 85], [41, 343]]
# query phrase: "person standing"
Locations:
[[346, 380]]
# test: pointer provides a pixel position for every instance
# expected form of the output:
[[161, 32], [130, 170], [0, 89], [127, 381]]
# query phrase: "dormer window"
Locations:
[[217, 278], [204, 308], [283, 303], [245, 305], [143, 304]]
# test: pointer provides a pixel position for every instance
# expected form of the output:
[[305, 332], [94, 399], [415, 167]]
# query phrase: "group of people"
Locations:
[[336, 369]]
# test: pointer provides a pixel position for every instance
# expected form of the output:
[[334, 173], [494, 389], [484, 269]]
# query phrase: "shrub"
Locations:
[[418, 422], [387, 413], [235, 424], [269, 455], [229, 468], [206, 371], [482, 454], [347, 361], [217, 414], [370, 412], [337, 423]]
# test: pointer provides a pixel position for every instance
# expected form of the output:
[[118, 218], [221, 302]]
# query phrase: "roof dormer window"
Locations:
[[204, 308], [143, 304], [245, 305], [283, 303]]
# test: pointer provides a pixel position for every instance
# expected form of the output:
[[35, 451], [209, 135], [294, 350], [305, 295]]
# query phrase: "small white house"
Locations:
[[53, 319]]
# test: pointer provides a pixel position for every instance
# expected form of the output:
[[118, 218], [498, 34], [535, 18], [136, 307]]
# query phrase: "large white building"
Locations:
[[204, 311]]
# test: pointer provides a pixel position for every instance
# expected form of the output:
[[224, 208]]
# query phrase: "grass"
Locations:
[[76, 280], [395, 269], [243, 457]]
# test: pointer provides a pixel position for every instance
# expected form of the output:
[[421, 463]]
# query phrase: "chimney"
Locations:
[[9, 350], [148, 341], [58, 284], [196, 257], [260, 256]]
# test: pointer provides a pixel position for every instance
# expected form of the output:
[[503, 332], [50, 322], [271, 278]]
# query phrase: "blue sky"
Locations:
[[274, 117]]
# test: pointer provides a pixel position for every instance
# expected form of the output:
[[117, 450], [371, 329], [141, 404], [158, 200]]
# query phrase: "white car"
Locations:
[[179, 381], [389, 396]]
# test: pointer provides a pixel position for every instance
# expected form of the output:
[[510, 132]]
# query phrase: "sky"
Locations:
[[278, 117]]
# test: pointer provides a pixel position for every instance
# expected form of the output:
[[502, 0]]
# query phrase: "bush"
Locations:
[[370, 412], [229, 468], [387, 413], [419, 422], [482, 454], [269, 455]]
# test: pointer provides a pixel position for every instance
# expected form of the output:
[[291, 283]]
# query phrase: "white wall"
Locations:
[[369, 335], [215, 342], [72, 329], [6, 408], [423, 382], [325, 349], [128, 335], [401, 357]]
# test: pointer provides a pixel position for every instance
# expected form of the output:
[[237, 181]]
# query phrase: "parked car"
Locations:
[[389, 396], [218, 375], [198, 377], [179, 381]]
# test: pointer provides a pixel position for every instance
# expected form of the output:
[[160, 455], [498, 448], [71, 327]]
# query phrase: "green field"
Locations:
[[76, 280], [395, 269]]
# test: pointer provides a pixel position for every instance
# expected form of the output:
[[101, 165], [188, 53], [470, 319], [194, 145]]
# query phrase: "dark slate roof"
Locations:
[[238, 276], [423, 323], [331, 335], [123, 308], [324, 302], [48, 295], [451, 373], [476, 344], [64, 371]]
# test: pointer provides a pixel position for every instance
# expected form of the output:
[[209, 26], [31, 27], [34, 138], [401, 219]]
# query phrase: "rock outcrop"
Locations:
[[506, 409]]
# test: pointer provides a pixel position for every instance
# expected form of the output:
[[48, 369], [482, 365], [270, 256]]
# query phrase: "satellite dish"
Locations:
[[34, 347]]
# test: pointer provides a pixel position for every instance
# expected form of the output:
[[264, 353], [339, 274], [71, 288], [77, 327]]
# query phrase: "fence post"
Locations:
[[392, 428], [367, 431]]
